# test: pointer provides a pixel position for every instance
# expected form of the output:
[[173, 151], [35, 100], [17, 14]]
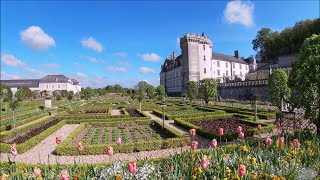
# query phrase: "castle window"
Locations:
[[52, 86], [234, 65], [234, 73], [205, 70], [218, 63], [227, 73], [47, 86], [59, 86], [204, 58], [218, 72], [204, 47], [226, 64], [240, 66], [240, 73], [246, 67]]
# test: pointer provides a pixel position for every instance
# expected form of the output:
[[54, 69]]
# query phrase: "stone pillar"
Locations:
[[47, 103]]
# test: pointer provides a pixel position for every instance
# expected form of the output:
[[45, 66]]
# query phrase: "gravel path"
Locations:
[[203, 142], [116, 112]]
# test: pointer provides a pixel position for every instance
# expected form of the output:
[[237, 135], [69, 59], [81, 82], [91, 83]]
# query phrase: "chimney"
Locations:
[[174, 55], [236, 54]]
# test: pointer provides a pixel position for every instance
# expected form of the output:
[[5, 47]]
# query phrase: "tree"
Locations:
[[142, 85], [133, 94], [259, 42], [86, 93], [161, 92], [64, 93], [70, 97], [140, 94], [192, 90], [304, 80], [209, 89], [278, 87], [150, 91], [58, 98], [13, 106], [109, 88], [55, 93], [23, 93], [118, 88], [5, 93]]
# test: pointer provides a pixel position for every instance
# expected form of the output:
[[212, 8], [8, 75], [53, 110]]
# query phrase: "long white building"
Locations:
[[198, 62], [49, 83]]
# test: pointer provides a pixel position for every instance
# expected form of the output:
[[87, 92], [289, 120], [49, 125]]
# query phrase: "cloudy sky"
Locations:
[[101, 43]]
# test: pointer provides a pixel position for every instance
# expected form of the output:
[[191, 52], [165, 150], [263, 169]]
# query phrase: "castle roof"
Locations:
[[225, 57]]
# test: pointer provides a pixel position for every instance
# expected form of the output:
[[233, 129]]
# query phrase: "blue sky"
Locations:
[[102, 43]]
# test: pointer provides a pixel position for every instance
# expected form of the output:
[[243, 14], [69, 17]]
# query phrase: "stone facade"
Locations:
[[197, 62]]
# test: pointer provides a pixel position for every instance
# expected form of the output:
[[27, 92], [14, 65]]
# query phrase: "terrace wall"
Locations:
[[243, 90]]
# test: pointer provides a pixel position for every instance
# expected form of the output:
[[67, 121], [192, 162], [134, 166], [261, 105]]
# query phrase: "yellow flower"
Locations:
[[194, 177], [200, 170], [244, 148], [209, 157], [275, 178], [253, 160], [118, 177], [4, 176]]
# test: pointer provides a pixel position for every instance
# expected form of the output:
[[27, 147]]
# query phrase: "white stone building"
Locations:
[[49, 83], [198, 62]]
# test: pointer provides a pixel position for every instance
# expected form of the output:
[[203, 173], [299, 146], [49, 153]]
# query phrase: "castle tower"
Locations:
[[196, 54]]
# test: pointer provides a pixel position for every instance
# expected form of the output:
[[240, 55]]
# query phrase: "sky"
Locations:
[[104, 43]]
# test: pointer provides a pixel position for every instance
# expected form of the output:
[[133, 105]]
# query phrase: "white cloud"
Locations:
[[91, 43], [146, 70], [5, 76], [125, 63], [120, 54], [12, 61], [80, 75], [116, 69], [239, 12], [35, 38], [152, 57], [51, 65]]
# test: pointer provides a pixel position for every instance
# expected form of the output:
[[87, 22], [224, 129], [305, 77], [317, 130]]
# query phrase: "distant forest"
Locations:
[[271, 44]]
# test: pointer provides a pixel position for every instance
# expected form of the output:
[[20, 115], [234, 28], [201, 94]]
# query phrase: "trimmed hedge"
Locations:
[[227, 136], [125, 112], [67, 147]]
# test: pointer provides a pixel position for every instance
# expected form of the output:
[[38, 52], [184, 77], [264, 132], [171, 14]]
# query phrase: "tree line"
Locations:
[[271, 44]]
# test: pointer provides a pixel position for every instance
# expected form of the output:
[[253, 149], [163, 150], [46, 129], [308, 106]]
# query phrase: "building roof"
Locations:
[[54, 79], [225, 57], [30, 83]]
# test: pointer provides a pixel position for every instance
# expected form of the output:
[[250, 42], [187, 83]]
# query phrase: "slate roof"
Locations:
[[225, 57], [30, 83], [54, 79]]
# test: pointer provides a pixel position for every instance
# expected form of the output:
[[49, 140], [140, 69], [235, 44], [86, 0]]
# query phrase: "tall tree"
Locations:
[[86, 93], [13, 106], [118, 88], [278, 87], [140, 95], [5, 93], [109, 88], [161, 92], [209, 89], [259, 42], [133, 94], [70, 97], [304, 79], [150, 91], [23, 93], [192, 90], [142, 85]]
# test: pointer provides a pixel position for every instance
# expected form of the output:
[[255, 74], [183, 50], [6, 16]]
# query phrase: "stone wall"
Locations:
[[243, 90]]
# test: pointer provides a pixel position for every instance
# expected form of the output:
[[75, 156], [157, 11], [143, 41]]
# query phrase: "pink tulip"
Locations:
[[110, 151], [239, 129], [58, 140], [14, 150], [192, 132], [132, 167], [64, 175], [80, 146], [296, 143], [214, 143], [194, 145], [220, 132], [204, 162], [241, 135], [259, 127], [278, 131], [268, 141], [278, 124], [171, 168], [119, 141], [281, 141], [242, 170], [36, 172]]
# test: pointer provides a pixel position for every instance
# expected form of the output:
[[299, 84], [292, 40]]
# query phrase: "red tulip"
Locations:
[[194, 145], [80, 146], [281, 141], [268, 141], [296, 143], [239, 129], [241, 135], [119, 141], [259, 127], [36, 172], [192, 132], [132, 167], [58, 140], [204, 162], [242, 170], [171, 168], [110, 151], [214, 143], [220, 132], [278, 131], [14, 150]]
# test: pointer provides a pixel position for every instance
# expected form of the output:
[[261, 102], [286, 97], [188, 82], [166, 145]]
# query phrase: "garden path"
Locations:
[[203, 142]]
